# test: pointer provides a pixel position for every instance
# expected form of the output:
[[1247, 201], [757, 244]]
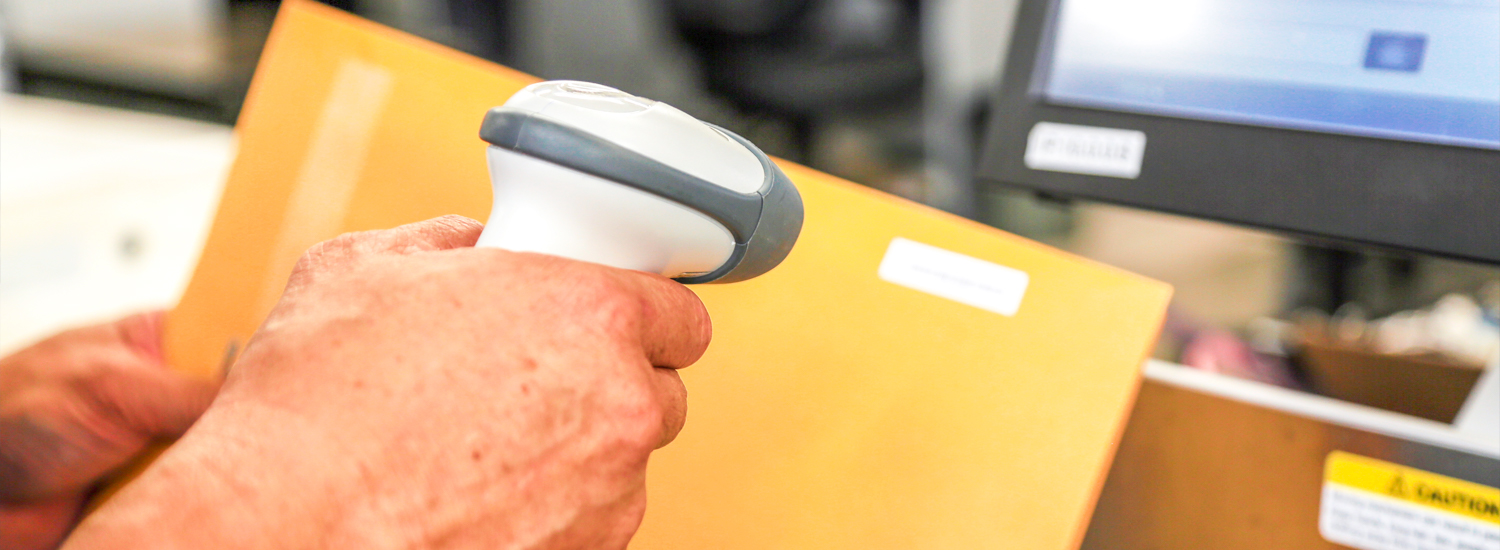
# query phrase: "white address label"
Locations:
[[1085, 150], [954, 276]]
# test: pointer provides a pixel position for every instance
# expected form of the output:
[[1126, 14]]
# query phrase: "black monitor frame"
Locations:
[[1435, 199]]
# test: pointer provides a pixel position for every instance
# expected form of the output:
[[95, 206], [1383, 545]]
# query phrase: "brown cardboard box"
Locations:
[[1430, 386]]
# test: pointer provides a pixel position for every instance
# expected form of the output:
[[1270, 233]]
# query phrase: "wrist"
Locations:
[[222, 486]]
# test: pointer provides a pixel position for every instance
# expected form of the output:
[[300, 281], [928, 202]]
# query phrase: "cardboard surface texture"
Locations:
[[833, 410]]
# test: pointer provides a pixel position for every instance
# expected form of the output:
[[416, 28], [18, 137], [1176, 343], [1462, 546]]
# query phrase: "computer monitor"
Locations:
[[1366, 121]]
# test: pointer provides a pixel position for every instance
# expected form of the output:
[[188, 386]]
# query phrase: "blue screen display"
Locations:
[[1417, 70]]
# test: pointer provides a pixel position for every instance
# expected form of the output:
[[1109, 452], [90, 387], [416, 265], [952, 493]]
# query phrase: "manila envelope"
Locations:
[[906, 378]]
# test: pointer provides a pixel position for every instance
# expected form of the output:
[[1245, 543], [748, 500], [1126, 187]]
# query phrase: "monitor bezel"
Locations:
[[1429, 198]]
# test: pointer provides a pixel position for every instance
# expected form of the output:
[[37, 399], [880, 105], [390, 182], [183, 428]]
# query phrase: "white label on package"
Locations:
[[954, 276], [1085, 150], [1374, 505]]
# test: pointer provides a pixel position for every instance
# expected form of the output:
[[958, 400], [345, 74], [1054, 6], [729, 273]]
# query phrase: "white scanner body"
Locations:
[[595, 174]]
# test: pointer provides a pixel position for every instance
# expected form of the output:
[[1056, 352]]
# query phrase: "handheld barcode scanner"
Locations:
[[593, 173]]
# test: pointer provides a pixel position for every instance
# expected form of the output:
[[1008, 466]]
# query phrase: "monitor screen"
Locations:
[[1365, 121], [1417, 70]]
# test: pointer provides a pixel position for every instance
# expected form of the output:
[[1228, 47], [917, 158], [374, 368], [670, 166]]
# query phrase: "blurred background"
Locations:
[[116, 129]]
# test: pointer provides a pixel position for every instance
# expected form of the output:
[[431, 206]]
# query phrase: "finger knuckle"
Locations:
[[639, 418], [610, 303]]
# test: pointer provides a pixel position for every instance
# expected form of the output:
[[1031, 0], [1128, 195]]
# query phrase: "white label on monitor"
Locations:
[[1085, 150], [954, 276]]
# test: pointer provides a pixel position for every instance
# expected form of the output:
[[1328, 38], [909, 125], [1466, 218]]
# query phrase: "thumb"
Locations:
[[154, 402], [440, 233]]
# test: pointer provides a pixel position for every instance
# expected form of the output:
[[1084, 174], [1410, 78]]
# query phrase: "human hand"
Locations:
[[410, 391], [74, 407]]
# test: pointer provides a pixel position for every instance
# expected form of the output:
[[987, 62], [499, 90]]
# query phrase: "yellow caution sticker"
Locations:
[[1376, 505]]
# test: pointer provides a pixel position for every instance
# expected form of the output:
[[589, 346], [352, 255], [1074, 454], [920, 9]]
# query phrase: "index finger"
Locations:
[[675, 328]]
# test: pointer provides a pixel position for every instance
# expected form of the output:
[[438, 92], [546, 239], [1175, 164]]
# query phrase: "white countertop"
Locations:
[[102, 211]]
